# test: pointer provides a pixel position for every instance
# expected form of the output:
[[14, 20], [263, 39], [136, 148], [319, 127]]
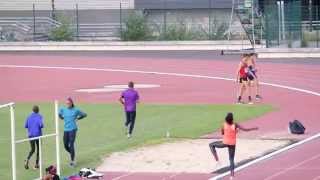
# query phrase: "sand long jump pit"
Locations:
[[191, 156]]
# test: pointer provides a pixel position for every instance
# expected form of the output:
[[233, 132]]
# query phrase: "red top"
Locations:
[[242, 71]]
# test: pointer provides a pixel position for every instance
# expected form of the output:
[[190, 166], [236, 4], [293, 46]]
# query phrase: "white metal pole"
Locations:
[[252, 13], [231, 18], [279, 19], [282, 20], [6, 105], [56, 106], [40, 158], [13, 143]]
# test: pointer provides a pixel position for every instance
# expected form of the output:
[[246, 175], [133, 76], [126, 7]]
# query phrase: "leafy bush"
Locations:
[[10, 37], [181, 32], [136, 28], [219, 31], [62, 32], [177, 32]]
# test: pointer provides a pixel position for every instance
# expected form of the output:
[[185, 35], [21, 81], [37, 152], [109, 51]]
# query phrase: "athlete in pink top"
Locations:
[[229, 132]]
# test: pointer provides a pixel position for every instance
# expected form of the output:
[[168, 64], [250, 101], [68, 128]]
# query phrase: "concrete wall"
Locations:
[[182, 4], [65, 4]]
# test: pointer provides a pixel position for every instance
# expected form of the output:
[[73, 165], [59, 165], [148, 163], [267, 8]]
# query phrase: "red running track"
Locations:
[[33, 84], [300, 163]]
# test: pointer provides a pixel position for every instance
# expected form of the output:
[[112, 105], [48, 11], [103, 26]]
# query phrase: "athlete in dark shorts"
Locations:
[[242, 78], [252, 74], [229, 132], [34, 124], [129, 98]]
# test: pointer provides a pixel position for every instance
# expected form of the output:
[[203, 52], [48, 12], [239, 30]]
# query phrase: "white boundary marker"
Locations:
[[193, 76], [117, 88]]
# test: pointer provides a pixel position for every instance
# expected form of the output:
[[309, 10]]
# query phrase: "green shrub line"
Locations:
[[62, 32], [137, 28]]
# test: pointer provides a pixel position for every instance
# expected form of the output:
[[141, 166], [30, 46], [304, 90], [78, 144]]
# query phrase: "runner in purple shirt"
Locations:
[[129, 98], [34, 124]]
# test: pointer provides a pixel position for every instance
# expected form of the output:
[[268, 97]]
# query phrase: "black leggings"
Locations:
[[130, 120], [33, 144], [69, 137], [231, 149]]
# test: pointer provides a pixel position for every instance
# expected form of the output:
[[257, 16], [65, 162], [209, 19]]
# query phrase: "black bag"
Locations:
[[296, 127]]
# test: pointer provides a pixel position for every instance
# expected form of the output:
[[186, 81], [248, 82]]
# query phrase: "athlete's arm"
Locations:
[[121, 100], [238, 72], [246, 129]]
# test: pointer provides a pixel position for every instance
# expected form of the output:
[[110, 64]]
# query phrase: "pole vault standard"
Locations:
[[14, 141], [13, 148]]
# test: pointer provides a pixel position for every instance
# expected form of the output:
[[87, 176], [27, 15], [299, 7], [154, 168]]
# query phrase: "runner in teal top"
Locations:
[[70, 115]]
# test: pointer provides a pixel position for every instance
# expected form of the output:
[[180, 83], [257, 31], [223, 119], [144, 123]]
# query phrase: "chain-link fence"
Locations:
[[165, 20], [290, 25], [60, 24], [185, 24], [278, 24]]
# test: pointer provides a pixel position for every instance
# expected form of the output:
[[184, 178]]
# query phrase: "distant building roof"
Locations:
[[182, 4]]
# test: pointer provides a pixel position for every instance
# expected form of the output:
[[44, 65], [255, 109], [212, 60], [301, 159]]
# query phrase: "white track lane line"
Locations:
[[172, 176], [292, 167], [156, 73], [316, 178], [122, 176]]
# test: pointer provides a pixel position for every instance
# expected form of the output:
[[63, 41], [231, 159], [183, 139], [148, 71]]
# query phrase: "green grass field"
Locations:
[[102, 132]]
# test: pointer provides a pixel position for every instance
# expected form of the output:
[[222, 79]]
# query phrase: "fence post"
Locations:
[[53, 14], [77, 21], [165, 17], [120, 20], [1, 33], [310, 15], [34, 21], [318, 25], [253, 24], [231, 18], [210, 12]]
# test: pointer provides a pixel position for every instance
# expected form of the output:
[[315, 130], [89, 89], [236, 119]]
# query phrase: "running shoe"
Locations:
[[258, 97], [240, 102], [90, 173], [129, 135], [36, 166], [73, 164], [250, 102], [26, 164]]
